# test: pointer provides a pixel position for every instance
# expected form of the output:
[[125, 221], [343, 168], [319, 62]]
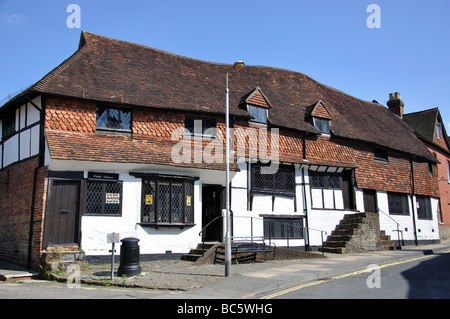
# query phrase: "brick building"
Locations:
[[129, 139], [430, 128]]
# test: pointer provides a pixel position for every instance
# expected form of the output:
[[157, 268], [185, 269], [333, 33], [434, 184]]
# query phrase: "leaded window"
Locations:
[[325, 180], [259, 114], [167, 201], [322, 125], [103, 198], [113, 119], [398, 204], [282, 228], [9, 124], [281, 181], [423, 204]]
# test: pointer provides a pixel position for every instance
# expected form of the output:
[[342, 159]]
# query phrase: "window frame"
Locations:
[[404, 203], [9, 124], [205, 128], [318, 120], [424, 213], [103, 198], [261, 109], [439, 131], [108, 127], [186, 220], [381, 155], [283, 170], [272, 229], [326, 180]]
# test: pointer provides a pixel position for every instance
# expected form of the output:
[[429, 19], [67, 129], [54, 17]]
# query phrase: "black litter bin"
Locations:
[[129, 258]]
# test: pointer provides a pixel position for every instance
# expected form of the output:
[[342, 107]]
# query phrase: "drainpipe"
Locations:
[[412, 200]]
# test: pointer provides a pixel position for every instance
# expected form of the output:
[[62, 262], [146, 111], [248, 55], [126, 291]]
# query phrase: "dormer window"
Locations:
[[321, 117], [257, 104], [322, 125], [258, 113]]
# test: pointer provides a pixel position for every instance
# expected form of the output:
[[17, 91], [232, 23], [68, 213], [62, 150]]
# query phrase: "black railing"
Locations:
[[400, 242], [292, 232]]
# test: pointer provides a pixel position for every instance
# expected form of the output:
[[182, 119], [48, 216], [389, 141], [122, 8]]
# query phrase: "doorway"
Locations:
[[62, 219], [370, 201], [212, 204]]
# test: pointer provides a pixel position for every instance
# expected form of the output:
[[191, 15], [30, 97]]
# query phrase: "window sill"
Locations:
[[167, 225], [113, 131]]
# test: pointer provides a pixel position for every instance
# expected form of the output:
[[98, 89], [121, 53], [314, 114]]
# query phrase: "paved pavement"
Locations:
[[186, 280]]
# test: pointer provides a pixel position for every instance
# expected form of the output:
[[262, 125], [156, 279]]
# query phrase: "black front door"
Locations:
[[212, 205], [62, 213]]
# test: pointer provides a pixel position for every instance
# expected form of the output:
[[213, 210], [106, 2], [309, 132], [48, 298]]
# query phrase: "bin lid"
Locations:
[[130, 240]]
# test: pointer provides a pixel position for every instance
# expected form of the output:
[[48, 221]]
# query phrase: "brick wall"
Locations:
[[444, 186], [15, 208], [394, 176]]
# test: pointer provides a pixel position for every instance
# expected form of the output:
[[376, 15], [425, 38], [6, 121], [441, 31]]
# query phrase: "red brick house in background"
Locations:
[[430, 129], [120, 137]]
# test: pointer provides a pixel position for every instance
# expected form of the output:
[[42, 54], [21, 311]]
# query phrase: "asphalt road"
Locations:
[[426, 277]]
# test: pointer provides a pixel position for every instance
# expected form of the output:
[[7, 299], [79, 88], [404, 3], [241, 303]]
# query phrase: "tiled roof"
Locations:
[[105, 69]]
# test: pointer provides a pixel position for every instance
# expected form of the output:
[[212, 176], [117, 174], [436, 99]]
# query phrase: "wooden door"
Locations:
[[61, 225], [370, 200]]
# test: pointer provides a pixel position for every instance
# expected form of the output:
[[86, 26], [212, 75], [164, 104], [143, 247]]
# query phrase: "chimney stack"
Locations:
[[395, 104]]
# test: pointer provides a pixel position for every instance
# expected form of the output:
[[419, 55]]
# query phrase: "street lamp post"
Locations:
[[237, 66]]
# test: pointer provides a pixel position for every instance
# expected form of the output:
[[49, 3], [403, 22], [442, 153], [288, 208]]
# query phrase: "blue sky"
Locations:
[[328, 40]]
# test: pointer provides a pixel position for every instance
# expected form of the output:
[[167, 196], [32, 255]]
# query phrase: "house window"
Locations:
[[282, 228], [438, 130], [322, 125], [327, 191], [398, 204], [113, 119], [167, 201], [448, 172], [282, 181], [381, 155], [9, 124], [200, 127], [423, 204], [104, 198], [325, 180], [259, 114]]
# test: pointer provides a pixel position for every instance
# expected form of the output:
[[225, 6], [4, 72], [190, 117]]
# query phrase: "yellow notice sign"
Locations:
[[148, 199], [188, 200]]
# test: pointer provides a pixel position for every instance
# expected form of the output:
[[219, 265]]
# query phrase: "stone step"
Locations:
[[334, 250], [336, 243], [333, 237], [196, 253], [191, 257]]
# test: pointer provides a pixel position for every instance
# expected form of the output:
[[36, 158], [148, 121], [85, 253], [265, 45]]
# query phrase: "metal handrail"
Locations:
[[399, 246], [201, 233]]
